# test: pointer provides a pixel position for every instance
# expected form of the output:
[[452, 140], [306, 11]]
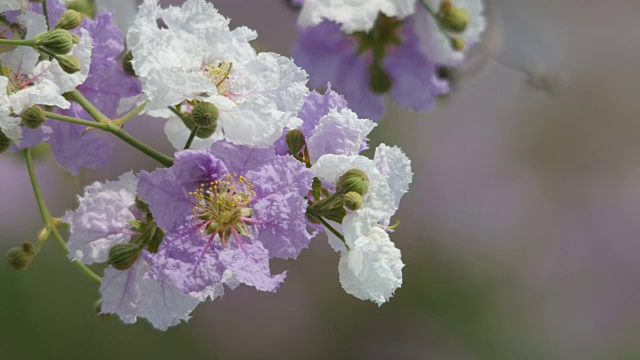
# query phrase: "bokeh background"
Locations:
[[519, 234]]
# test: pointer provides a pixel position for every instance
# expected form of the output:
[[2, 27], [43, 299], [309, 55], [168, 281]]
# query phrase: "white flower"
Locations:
[[197, 57], [27, 82], [353, 15], [389, 175], [436, 45], [372, 268]]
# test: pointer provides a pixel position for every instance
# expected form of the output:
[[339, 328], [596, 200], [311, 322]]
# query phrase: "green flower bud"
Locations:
[[33, 117], [69, 20], [202, 133], [5, 142], [295, 141], [58, 41], [69, 63], [86, 7], [353, 180], [19, 258], [205, 115], [75, 38], [127, 66], [457, 43], [379, 80], [455, 21], [352, 201], [122, 256]]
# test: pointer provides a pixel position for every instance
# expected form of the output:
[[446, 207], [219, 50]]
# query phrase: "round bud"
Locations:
[[5, 142], [69, 20], [352, 201], [457, 43], [19, 258], [69, 63], [122, 256], [33, 117], [127, 65], [58, 41], [353, 180], [75, 38], [379, 80], [455, 20], [295, 141], [205, 115], [202, 133]]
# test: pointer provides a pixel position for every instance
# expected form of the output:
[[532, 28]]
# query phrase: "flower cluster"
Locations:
[[262, 165], [370, 48]]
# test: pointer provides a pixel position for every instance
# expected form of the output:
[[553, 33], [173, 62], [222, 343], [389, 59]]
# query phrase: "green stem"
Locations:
[[48, 220], [155, 154], [45, 12], [133, 113], [175, 111], [110, 126], [17, 42], [76, 96], [69, 119], [334, 231], [191, 137]]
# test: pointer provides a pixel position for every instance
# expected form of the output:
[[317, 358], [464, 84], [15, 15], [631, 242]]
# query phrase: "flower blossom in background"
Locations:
[[197, 63], [396, 53]]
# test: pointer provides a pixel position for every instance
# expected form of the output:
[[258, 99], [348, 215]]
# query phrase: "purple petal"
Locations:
[[239, 158], [167, 190], [250, 265]]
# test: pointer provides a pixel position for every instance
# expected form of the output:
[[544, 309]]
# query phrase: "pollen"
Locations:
[[219, 75], [223, 206]]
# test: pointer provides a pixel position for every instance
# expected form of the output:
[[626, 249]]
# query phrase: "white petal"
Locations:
[[9, 5], [101, 220], [372, 268], [339, 132], [395, 166], [353, 15]]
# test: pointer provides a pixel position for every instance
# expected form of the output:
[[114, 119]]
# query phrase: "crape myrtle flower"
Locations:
[[196, 58], [370, 265], [106, 84], [102, 221], [395, 55], [27, 82], [230, 209], [358, 15], [329, 127]]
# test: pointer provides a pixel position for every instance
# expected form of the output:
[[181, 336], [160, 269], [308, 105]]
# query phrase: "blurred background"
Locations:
[[519, 234]]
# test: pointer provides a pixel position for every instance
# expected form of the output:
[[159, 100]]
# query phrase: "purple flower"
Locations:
[[330, 55], [227, 212]]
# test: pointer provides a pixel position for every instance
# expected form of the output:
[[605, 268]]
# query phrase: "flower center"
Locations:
[[17, 81], [219, 75], [223, 206]]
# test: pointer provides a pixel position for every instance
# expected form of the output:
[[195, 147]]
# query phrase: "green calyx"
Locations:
[[5, 142], [295, 141], [202, 133], [33, 117], [122, 256], [205, 115], [69, 63], [69, 20], [127, 64], [57, 41], [353, 180], [19, 258]]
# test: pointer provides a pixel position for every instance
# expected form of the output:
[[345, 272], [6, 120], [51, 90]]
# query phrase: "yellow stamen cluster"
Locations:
[[219, 75], [222, 204], [17, 81]]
